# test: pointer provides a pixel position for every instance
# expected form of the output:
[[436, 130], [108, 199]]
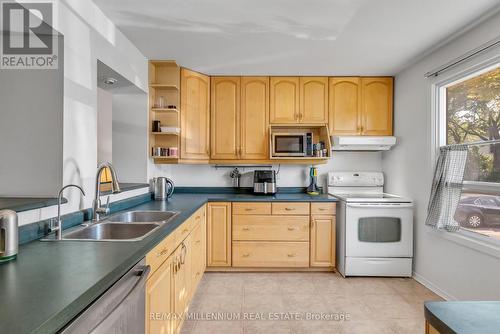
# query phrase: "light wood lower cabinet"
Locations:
[[270, 228], [159, 306], [270, 254], [219, 234], [322, 241], [177, 263], [181, 281]]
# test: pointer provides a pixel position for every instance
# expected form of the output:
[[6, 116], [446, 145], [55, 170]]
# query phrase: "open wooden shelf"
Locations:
[[320, 134], [164, 83]]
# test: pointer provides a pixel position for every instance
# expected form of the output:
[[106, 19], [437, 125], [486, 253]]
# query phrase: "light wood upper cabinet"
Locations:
[[361, 106], [195, 115], [284, 97], [159, 299], [313, 100], [344, 106], [254, 118], [322, 253], [376, 106], [225, 113], [219, 234]]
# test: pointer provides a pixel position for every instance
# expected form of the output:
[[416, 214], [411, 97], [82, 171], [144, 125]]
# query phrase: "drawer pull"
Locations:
[[185, 231], [291, 254], [197, 241], [246, 254], [290, 228], [321, 209], [289, 209], [197, 217], [248, 209], [246, 228]]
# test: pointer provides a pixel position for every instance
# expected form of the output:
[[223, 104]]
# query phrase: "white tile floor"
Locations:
[[374, 305]]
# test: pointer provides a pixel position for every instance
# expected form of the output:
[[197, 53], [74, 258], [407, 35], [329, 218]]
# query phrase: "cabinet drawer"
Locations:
[[161, 252], [270, 228], [290, 208], [270, 254], [249, 208], [323, 208]]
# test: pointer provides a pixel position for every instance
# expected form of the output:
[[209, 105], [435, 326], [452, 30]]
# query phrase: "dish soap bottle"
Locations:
[[313, 188]]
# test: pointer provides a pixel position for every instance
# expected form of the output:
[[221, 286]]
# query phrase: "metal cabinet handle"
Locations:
[[246, 228], [321, 209], [289, 209], [246, 254], [290, 228], [291, 254], [183, 253], [248, 209]]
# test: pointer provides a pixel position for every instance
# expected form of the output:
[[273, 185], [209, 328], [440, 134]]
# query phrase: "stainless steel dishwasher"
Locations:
[[120, 310]]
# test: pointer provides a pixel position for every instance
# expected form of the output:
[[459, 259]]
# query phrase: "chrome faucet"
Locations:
[[58, 225], [97, 210]]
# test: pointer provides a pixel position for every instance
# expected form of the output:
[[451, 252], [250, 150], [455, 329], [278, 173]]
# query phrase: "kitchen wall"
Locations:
[[130, 136], [446, 263], [104, 125], [289, 176], [89, 35], [31, 116]]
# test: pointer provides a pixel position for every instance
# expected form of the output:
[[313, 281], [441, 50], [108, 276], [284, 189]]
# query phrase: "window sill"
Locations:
[[471, 240]]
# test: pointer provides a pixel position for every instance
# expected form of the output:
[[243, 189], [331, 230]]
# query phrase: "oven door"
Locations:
[[379, 230], [289, 145]]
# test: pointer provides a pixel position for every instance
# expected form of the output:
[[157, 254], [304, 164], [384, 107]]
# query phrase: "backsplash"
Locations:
[[289, 175], [40, 229]]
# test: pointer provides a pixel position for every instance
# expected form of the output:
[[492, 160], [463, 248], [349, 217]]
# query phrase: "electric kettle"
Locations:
[[8, 235], [163, 188]]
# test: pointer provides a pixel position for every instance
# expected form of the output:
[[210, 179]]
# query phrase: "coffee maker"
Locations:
[[264, 182]]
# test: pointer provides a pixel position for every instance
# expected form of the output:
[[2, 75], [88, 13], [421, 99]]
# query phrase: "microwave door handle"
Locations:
[[380, 206]]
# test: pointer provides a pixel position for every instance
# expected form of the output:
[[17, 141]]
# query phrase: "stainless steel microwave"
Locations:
[[291, 144]]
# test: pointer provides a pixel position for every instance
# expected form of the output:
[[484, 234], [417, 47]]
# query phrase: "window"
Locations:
[[472, 115]]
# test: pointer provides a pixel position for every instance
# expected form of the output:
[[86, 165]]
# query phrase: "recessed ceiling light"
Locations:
[[110, 81]]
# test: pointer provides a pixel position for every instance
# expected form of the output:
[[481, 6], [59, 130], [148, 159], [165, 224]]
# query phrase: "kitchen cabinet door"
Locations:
[[195, 115], [219, 234], [159, 300], [254, 118], [322, 241], [225, 122], [345, 105], [376, 106], [313, 100], [284, 97], [181, 282]]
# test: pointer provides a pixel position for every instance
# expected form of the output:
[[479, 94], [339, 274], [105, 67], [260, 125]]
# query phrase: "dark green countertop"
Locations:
[[468, 317], [51, 282]]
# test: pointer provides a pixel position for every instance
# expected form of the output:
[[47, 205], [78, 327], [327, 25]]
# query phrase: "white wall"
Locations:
[[89, 35], [31, 116], [452, 269], [130, 136], [289, 176], [104, 126]]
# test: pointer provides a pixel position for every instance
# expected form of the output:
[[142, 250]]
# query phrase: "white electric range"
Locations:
[[374, 229]]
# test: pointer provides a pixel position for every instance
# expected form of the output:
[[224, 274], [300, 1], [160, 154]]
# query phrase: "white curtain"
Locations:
[[447, 187]]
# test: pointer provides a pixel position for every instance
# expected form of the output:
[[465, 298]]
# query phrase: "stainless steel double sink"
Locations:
[[125, 226]]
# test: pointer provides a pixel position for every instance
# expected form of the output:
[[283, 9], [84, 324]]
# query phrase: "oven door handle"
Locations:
[[380, 205]]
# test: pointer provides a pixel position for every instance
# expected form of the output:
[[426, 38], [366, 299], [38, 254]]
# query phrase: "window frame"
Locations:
[[437, 96]]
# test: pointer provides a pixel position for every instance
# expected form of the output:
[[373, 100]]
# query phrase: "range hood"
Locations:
[[362, 143]]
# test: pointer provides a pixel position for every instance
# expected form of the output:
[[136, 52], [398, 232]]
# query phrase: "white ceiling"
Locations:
[[335, 37]]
